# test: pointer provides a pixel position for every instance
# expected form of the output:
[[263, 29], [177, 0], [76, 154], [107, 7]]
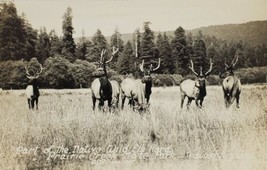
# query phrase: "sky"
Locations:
[[128, 15]]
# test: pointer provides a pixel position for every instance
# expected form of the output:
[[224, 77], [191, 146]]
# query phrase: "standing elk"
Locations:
[[138, 91], [32, 90], [147, 79], [195, 90], [101, 87], [231, 85]]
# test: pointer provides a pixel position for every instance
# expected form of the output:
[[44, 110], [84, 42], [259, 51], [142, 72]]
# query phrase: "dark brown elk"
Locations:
[[147, 79], [231, 84], [101, 87], [32, 90], [195, 89]]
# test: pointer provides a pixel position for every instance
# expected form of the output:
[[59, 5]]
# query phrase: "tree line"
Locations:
[[69, 64]]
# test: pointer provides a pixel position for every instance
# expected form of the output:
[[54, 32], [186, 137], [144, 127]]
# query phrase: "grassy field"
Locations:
[[164, 138]]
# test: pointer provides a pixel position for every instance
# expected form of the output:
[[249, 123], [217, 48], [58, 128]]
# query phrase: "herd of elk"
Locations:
[[32, 90], [231, 84], [195, 90], [138, 90]]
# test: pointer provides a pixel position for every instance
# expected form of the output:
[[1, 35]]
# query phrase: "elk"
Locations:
[[134, 90], [138, 90], [231, 84], [32, 90], [101, 87], [115, 93], [147, 79], [195, 90]]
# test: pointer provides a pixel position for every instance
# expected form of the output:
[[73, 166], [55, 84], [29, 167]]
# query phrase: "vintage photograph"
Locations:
[[133, 84]]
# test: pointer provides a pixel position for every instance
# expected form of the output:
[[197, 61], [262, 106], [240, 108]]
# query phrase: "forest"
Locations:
[[69, 63]]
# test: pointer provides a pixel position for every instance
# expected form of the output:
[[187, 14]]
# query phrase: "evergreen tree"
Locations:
[[163, 44], [43, 46], [68, 43], [99, 42], [83, 47], [126, 61], [147, 42], [56, 45], [12, 33], [117, 42], [179, 46]]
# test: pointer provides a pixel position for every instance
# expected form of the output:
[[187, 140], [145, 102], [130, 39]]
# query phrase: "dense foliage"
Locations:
[[69, 63]]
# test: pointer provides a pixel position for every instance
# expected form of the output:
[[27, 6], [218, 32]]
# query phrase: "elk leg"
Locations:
[[182, 100], [122, 101], [94, 101], [101, 104], [147, 99], [196, 101], [188, 102], [29, 103], [237, 99], [200, 103], [117, 102], [109, 104], [32, 103], [36, 101]]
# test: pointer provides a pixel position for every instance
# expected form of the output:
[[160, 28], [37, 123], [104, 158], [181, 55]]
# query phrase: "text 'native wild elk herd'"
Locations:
[[138, 90]]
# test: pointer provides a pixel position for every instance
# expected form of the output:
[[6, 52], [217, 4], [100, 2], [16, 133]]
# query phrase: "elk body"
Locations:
[[32, 90], [231, 85], [194, 90], [101, 87], [138, 91], [134, 90], [115, 93]]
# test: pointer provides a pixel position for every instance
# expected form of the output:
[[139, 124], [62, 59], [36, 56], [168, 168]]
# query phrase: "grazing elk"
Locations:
[[195, 90], [134, 90], [32, 90], [115, 93], [138, 90], [231, 84], [101, 87]]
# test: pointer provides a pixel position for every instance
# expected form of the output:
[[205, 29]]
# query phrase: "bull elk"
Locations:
[[138, 91], [195, 90], [231, 84], [147, 79], [101, 87], [32, 90]]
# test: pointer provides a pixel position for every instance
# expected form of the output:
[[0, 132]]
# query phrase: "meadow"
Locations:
[[165, 137]]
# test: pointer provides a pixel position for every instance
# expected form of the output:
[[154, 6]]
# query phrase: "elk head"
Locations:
[[35, 74], [200, 82], [229, 68], [101, 70], [147, 72]]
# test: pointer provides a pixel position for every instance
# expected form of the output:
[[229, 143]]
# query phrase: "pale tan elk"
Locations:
[[138, 91], [101, 87], [32, 90], [195, 89], [231, 84]]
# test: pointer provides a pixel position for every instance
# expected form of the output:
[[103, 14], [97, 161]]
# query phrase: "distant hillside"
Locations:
[[254, 32]]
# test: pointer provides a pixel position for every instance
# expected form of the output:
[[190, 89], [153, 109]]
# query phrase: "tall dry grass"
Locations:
[[212, 137]]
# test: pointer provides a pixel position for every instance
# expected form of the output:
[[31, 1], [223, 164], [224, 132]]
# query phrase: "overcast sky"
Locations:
[[128, 15]]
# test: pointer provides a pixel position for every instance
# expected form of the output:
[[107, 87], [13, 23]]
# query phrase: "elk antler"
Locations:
[[103, 51], [192, 68], [156, 67], [209, 71], [142, 66], [234, 61], [36, 74], [112, 55]]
